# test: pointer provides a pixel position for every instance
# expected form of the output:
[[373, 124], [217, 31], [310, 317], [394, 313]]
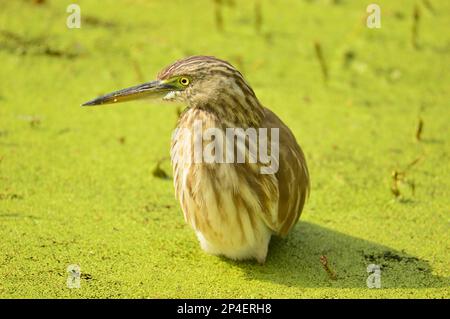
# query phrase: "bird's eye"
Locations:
[[184, 81]]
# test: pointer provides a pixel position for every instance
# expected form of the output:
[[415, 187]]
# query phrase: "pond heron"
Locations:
[[234, 206]]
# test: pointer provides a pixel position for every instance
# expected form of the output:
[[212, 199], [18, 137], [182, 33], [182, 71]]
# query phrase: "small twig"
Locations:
[[428, 5], [326, 266], [218, 15], [419, 130], [122, 139], [415, 27], [395, 179], [320, 58], [158, 171], [410, 165], [258, 16], [412, 185], [399, 177]]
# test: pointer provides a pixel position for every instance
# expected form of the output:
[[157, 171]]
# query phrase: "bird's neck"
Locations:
[[233, 110]]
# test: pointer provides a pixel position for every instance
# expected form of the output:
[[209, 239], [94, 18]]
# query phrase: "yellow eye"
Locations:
[[184, 81]]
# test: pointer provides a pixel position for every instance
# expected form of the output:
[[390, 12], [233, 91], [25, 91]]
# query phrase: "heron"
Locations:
[[233, 207]]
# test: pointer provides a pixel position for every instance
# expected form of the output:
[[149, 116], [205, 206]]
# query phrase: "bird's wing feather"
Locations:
[[292, 177]]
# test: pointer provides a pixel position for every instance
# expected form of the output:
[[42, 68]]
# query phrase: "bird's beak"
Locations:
[[147, 90]]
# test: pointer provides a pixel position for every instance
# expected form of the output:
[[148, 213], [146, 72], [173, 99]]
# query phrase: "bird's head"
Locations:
[[198, 81]]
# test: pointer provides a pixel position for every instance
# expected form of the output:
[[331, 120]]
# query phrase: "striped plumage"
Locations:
[[233, 208]]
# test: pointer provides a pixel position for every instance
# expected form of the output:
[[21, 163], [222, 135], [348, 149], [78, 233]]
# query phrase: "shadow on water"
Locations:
[[295, 262]]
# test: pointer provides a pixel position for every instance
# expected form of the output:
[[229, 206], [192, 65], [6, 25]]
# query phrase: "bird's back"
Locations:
[[292, 176]]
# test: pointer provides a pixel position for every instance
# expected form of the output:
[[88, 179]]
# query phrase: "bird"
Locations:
[[233, 208]]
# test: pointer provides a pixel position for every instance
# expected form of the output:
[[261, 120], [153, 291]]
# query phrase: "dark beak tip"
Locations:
[[90, 103]]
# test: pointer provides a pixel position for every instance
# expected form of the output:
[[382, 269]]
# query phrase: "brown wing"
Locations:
[[292, 176]]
